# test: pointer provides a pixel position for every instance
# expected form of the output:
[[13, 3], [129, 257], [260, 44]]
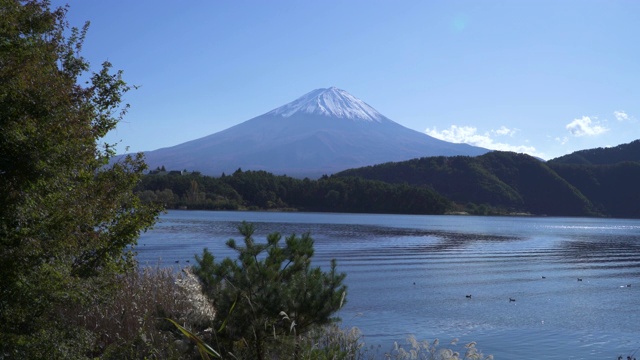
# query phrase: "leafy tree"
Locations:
[[67, 217], [270, 292]]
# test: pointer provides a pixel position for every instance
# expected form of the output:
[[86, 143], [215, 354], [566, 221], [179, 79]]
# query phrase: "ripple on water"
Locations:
[[411, 275]]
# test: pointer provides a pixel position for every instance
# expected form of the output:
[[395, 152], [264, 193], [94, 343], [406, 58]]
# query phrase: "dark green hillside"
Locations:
[[541, 188], [506, 180], [263, 190], [613, 189], [602, 156], [462, 179]]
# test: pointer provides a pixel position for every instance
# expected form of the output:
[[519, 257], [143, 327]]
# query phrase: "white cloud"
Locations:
[[585, 127], [469, 135], [562, 140], [621, 115], [504, 131]]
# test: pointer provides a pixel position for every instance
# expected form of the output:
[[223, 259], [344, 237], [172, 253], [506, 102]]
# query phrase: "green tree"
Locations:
[[67, 217], [270, 292]]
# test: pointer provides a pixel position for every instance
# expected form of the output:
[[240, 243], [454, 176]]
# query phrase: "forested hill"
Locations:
[[494, 183], [613, 189], [520, 183], [602, 156], [609, 177], [503, 180]]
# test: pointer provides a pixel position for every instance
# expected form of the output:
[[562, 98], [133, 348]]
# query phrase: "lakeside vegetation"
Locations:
[[260, 190], [497, 183]]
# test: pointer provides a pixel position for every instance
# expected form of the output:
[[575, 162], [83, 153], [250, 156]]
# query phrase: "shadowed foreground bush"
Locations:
[[270, 295], [131, 324]]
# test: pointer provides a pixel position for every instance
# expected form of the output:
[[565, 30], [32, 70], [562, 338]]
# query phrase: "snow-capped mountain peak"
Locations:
[[294, 140], [330, 102]]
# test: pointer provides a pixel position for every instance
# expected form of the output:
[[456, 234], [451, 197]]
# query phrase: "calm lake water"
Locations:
[[411, 274]]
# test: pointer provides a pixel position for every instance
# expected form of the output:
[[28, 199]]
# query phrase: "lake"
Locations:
[[409, 274]]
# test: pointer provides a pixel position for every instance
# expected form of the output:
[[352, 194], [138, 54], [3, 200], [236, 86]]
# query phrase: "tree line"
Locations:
[[496, 183], [260, 190]]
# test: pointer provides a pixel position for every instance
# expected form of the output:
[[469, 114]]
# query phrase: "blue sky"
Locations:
[[541, 77]]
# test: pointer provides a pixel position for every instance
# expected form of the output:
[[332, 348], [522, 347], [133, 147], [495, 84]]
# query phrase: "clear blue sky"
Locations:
[[544, 77]]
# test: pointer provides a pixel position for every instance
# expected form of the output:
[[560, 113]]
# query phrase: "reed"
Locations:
[[130, 325], [424, 350]]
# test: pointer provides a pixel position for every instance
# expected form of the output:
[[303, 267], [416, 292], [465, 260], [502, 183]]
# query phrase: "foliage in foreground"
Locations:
[[269, 295], [132, 326], [67, 219]]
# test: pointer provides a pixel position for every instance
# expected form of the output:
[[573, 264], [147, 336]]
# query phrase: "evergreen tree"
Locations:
[[270, 292], [67, 217]]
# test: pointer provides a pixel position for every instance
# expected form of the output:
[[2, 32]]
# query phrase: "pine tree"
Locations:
[[270, 292]]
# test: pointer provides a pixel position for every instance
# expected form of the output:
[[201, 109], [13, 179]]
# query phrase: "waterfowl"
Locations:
[[579, 279], [468, 296], [511, 299]]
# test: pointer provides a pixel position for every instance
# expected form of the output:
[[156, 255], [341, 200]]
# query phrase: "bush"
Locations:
[[269, 296], [131, 324]]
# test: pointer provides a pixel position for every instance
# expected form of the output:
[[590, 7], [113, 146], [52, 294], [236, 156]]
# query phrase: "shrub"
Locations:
[[132, 325], [270, 295]]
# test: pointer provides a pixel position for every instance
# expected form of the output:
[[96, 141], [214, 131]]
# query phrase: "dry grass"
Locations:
[[132, 323], [423, 350], [201, 308], [334, 343]]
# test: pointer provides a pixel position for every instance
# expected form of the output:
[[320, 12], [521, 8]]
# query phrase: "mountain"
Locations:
[[609, 177], [602, 156], [612, 188], [516, 182], [322, 132]]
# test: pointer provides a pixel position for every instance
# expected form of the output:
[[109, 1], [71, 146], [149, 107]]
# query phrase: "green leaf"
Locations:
[[203, 348]]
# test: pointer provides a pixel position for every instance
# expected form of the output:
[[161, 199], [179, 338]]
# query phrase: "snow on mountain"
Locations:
[[307, 137], [332, 102]]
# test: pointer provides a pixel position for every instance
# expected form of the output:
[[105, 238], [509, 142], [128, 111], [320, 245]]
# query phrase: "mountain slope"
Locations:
[[507, 180], [613, 189], [602, 156], [322, 132]]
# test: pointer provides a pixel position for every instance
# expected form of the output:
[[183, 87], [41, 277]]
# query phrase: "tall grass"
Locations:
[[424, 350], [131, 325]]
